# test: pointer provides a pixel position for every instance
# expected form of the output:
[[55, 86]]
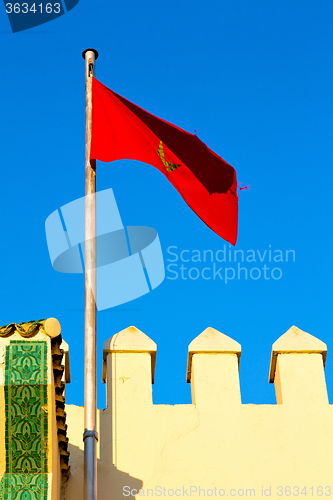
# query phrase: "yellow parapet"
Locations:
[[215, 446]]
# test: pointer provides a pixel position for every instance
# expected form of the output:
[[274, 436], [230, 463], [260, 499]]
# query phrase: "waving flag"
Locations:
[[208, 184]]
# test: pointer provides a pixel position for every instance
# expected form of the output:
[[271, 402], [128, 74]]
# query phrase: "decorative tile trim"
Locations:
[[26, 380], [26, 430], [26, 363], [24, 486]]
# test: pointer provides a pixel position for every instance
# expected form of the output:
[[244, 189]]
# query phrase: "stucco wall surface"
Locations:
[[216, 446]]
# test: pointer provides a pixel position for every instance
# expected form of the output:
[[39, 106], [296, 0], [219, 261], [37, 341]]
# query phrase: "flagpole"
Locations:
[[90, 436]]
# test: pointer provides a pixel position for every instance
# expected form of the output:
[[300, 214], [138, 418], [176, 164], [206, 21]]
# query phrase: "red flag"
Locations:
[[122, 130]]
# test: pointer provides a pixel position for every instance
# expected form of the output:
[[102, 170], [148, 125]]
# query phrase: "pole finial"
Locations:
[[90, 50]]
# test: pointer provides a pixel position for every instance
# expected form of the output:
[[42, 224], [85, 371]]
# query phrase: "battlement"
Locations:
[[297, 367], [215, 444], [216, 441]]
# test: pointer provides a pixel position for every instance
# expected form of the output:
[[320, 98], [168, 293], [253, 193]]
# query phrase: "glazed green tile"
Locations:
[[26, 363], [24, 486], [26, 429]]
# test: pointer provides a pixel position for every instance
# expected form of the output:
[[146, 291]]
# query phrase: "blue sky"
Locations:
[[255, 80]]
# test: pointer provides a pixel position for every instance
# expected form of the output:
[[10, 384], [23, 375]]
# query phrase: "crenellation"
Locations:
[[216, 441], [212, 369], [129, 363], [297, 368]]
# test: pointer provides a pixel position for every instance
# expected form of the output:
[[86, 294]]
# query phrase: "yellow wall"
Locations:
[[217, 443]]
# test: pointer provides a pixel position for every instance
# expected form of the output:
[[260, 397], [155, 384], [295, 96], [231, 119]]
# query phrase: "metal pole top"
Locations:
[[90, 50]]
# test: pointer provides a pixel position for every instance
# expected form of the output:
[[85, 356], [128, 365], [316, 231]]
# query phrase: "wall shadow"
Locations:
[[110, 480]]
